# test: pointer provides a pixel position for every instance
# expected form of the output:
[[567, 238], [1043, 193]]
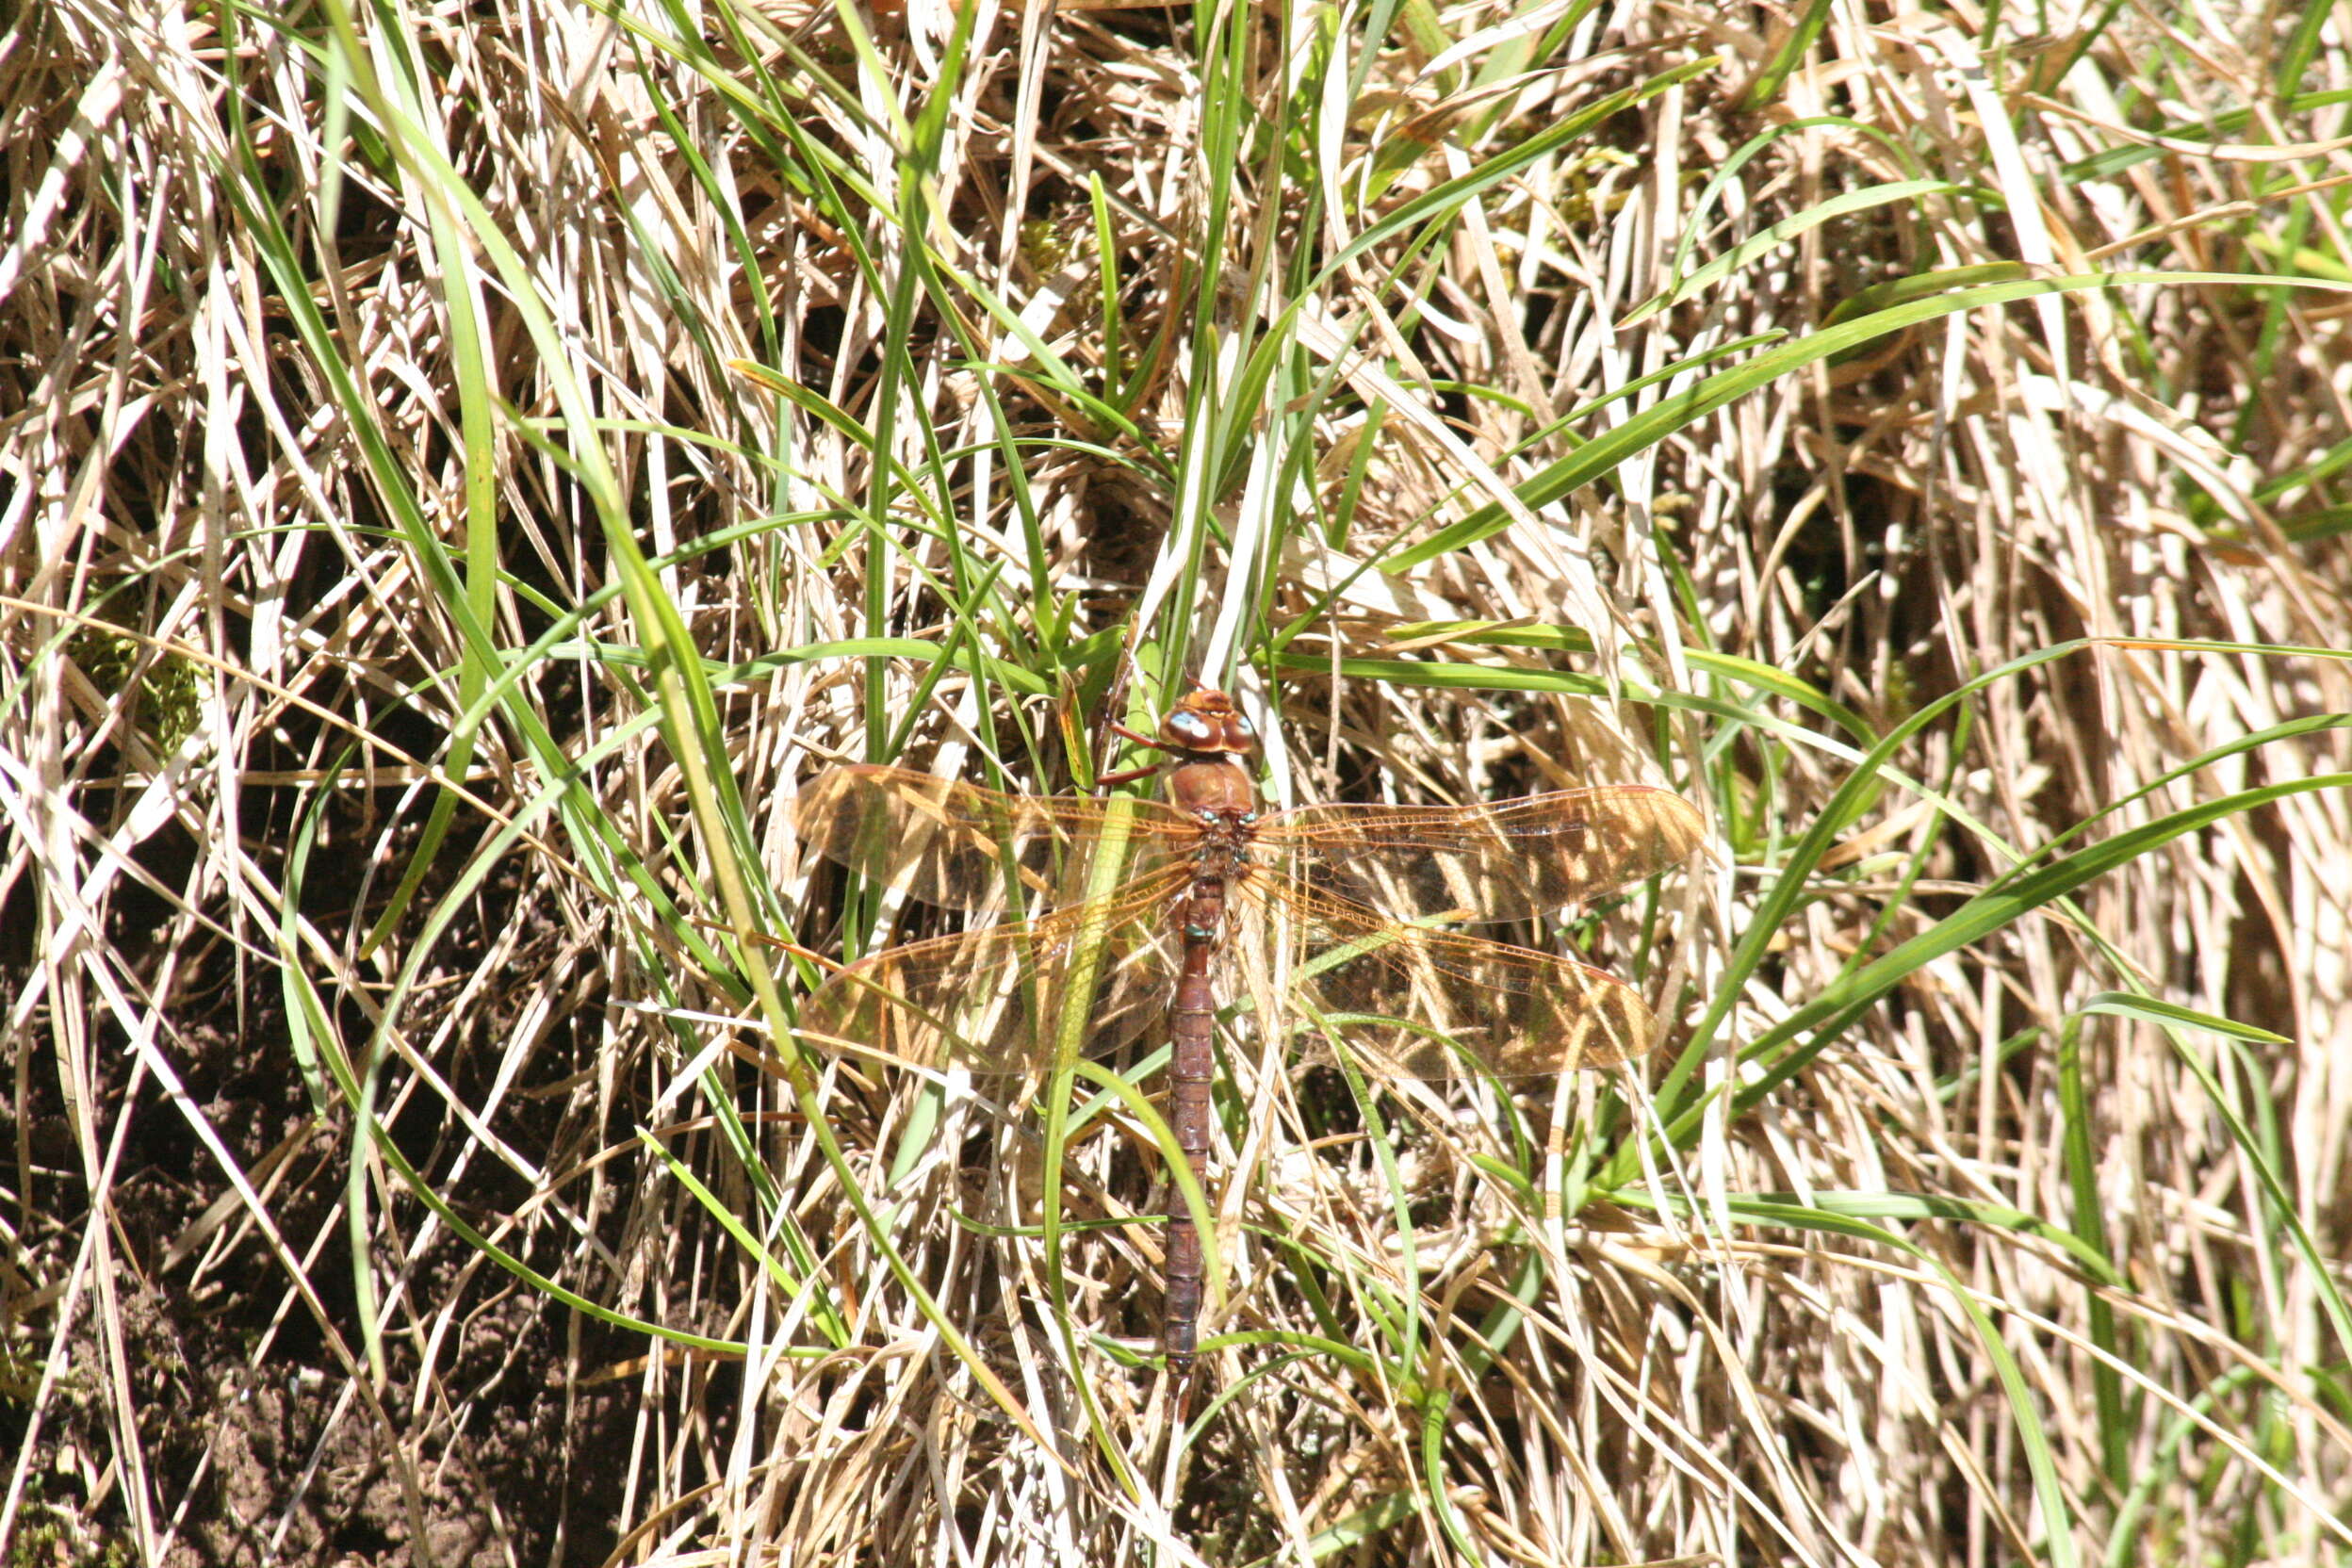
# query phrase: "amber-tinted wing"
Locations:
[[1419, 1002], [993, 1000], [1480, 862], [954, 844]]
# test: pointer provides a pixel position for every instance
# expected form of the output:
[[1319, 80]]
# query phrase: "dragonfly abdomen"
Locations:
[[1192, 1018]]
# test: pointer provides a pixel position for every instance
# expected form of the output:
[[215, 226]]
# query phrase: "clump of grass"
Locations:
[[534, 448]]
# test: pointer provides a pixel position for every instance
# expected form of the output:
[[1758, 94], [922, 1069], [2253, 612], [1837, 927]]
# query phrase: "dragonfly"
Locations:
[[1332, 912]]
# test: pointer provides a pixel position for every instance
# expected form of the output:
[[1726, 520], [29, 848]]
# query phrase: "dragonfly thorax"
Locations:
[[1213, 792]]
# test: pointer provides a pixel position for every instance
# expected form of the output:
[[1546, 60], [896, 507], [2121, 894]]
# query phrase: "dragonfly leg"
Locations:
[[1126, 775], [1126, 734]]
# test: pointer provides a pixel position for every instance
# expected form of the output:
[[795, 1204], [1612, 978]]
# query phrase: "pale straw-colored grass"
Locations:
[[399, 398]]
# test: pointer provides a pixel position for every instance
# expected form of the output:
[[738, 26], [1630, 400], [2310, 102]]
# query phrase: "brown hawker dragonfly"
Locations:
[[1207, 880]]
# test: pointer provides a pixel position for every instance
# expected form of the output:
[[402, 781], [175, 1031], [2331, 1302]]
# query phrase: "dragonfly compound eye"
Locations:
[[1189, 729]]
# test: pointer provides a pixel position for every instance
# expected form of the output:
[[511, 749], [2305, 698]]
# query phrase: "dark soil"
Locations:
[[245, 1383]]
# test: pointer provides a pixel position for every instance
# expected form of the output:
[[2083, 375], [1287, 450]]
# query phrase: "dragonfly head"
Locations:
[[1206, 723]]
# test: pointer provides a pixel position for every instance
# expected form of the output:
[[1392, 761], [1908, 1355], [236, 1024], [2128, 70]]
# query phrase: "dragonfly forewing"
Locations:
[[954, 844], [1003, 999], [1482, 862]]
